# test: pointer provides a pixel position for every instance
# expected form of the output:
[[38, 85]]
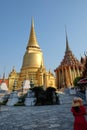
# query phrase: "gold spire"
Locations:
[[32, 40], [33, 56], [69, 58], [67, 44]]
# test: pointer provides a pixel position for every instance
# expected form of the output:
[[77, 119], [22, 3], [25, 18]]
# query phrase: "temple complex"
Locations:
[[33, 67], [68, 70]]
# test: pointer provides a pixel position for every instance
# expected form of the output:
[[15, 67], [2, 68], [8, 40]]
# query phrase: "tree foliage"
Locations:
[[45, 97], [76, 80]]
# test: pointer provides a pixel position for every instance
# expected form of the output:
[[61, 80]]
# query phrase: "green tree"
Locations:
[[49, 95], [76, 80], [40, 95]]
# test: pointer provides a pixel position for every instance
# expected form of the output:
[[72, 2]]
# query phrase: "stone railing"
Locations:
[[82, 95]]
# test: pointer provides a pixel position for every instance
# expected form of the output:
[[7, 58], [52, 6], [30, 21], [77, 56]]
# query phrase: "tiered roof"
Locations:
[[69, 58]]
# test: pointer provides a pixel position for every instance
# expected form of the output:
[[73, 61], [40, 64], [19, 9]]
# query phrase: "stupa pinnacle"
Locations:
[[32, 39]]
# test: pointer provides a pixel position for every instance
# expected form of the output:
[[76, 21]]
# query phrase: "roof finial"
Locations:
[[3, 75], [67, 45], [32, 22], [85, 53], [32, 39]]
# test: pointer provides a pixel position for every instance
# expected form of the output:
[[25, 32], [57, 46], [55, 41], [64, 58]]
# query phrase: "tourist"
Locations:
[[79, 112]]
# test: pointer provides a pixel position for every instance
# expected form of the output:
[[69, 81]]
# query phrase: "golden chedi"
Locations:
[[33, 65]]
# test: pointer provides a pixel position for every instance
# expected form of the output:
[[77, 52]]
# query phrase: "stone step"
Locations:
[[65, 98], [29, 101], [12, 101]]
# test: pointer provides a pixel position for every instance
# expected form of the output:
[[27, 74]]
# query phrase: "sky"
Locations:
[[50, 19]]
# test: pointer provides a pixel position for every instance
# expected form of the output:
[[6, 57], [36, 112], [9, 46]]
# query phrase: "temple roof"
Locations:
[[6, 81], [3, 86], [3, 83], [83, 81], [69, 58]]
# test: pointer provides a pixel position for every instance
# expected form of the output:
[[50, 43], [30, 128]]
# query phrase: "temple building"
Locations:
[[3, 84], [84, 73], [68, 70], [33, 67]]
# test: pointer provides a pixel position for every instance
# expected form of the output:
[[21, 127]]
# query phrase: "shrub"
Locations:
[[49, 95], [76, 80], [19, 104], [40, 95]]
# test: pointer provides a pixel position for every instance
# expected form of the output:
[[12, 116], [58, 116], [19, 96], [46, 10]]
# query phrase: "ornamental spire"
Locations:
[[3, 79], [67, 44], [32, 39]]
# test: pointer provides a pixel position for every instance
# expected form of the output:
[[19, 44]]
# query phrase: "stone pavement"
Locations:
[[51, 117]]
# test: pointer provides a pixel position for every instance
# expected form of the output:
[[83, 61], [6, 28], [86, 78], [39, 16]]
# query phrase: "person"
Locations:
[[79, 111]]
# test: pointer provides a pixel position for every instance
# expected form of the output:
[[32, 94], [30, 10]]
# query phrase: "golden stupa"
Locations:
[[33, 66]]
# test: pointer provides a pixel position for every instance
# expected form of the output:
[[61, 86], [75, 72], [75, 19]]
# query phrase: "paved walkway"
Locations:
[[51, 117]]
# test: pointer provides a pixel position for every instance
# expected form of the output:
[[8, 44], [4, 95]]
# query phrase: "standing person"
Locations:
[[79, 112]]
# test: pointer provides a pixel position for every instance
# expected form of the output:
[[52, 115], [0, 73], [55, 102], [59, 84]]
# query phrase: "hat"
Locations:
[[76, 102], [80, 100]]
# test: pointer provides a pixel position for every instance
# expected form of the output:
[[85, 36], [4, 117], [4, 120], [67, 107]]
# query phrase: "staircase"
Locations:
[[65, 98], [13, 99], [82, 95]]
